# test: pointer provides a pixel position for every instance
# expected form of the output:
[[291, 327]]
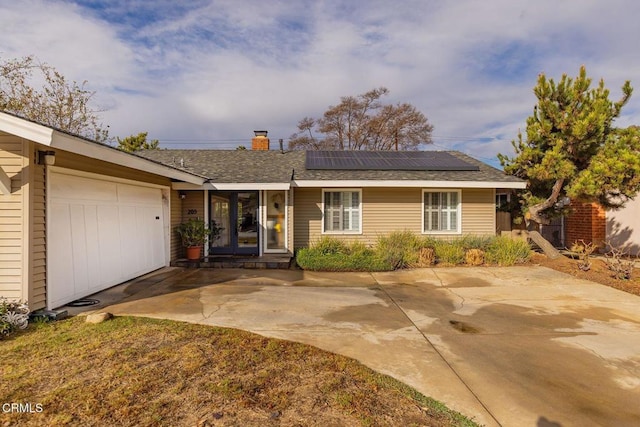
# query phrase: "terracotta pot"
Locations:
[[193, 253]]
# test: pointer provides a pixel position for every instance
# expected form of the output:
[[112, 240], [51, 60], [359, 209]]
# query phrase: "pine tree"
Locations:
[[572, 148], [137, 142]]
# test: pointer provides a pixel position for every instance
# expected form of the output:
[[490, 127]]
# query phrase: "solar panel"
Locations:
[[386, 160]]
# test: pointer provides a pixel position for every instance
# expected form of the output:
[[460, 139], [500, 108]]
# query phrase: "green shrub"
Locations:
[[399, 249], [450, 252], [402, 249], [507, 251], [330, 245], [331, 254], [471, 241]]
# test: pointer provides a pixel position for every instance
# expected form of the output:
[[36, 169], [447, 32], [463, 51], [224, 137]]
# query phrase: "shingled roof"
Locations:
[[248, 166]]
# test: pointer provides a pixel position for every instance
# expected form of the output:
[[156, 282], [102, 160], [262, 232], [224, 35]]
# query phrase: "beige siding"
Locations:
[[38, 289], [390, 209], [478, 211], [176, 219], [307, 216], [12, 218], [193, 205]]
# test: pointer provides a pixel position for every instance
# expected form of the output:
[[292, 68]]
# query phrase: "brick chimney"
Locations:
[[260, 140]]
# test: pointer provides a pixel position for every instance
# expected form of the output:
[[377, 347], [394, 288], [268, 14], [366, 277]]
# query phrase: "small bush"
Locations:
[[331, 254], [584, 251], [449, 253], [13, 316], [507, 251], [474, 257], [426, 257], [399, 249], [471, 241], [620, 263], [330, 245]]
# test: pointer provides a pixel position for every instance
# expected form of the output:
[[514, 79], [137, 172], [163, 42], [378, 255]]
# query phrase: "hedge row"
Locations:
[[403, 249]]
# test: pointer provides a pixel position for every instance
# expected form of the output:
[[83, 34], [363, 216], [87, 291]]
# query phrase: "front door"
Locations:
[[237, 213]]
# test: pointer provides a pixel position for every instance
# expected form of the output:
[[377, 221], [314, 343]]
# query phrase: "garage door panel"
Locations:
[[59, 261], [156, 236], [109, 243], [130, 241], [69, 187], [138, 195], [92, 238], [79, 248]]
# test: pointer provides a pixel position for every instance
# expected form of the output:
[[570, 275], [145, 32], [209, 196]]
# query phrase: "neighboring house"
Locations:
[[618, 228], [77, 217]]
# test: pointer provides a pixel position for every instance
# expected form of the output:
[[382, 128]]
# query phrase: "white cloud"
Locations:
[[218, 70]]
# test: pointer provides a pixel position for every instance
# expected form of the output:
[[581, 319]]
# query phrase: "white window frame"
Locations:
[[458, 210], [342, 190]]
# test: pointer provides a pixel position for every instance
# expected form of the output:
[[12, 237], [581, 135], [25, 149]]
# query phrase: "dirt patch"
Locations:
[[598, 273]]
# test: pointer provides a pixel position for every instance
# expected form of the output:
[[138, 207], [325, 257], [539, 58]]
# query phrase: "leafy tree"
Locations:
[[363, 122], [58, 103], [572, 148], [137, 142]]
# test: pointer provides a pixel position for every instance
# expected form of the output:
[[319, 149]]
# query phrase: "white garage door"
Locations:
[[100, 233]]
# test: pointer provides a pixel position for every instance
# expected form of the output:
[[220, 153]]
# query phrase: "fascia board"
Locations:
[[408, 183], [231, 186], [77, 145]]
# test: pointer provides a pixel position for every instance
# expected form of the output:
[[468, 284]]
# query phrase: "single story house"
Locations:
[[77, 216]]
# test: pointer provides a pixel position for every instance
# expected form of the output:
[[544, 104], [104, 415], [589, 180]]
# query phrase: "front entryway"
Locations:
[[237, 213]]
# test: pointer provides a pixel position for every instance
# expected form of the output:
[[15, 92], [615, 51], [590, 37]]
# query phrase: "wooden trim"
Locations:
[[5, 182]]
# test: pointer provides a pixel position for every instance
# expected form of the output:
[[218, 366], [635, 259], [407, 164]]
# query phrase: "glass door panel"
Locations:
[[220, 213], [247, 220], [275, 239], [237, 214]]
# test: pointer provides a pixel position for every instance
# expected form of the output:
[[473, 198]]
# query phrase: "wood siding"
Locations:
[[13, 212], [176, 219], [38, 288], [390, 209], [478, 211]]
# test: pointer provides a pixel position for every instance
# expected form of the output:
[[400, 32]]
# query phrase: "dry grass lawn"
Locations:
[[143, 372]]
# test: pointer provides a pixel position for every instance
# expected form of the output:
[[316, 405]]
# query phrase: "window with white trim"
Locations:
[[441, 211], [342, 211]]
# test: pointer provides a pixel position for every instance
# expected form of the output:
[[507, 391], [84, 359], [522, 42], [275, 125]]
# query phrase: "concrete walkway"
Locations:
[[519, 346]]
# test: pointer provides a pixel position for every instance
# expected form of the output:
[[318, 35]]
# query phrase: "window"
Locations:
[[441, 211], [342, 211], [502, 199]]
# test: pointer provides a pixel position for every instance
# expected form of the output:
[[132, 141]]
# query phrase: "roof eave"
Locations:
[[409, 183]]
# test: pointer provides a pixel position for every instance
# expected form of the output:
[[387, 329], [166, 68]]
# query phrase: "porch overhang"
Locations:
[[407, 183], [232, 186]]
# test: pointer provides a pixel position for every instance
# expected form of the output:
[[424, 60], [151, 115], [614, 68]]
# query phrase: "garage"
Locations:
[[101, 231]]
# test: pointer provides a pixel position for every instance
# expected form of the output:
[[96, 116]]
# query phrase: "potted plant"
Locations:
[[194, 233]]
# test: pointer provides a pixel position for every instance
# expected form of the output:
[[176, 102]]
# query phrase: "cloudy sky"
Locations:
[[203, 73]]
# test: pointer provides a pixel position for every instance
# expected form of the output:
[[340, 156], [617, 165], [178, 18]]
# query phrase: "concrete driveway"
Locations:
[[519, 346]]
